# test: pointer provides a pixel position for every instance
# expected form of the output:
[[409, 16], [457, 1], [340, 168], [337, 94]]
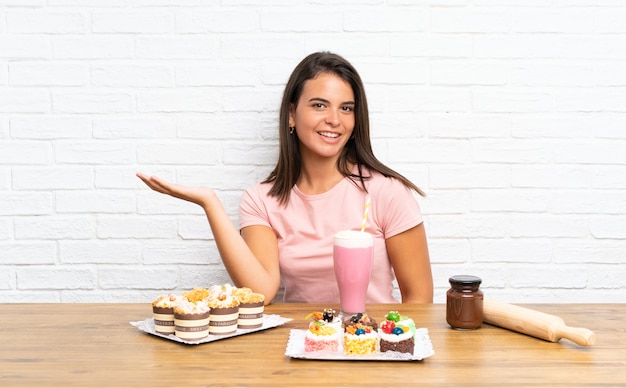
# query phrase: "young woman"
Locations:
[[325, 171]]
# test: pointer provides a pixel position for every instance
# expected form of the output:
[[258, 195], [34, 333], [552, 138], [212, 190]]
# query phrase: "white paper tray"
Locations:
[[269, 321], [423, 349]]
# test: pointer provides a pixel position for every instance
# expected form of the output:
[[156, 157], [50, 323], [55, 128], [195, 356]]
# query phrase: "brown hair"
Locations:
[[357, 151]]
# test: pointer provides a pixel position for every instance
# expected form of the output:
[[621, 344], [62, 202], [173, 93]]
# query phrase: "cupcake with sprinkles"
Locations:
[[224, 309], [191, 320], [251, 307], [163, 313]]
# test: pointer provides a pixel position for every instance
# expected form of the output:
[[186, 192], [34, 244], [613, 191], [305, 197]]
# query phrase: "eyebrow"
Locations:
[[328, 102]]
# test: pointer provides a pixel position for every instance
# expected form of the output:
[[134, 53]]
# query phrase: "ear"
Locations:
[[292, 115]]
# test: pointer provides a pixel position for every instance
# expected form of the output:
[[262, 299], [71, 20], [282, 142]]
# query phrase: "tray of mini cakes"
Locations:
[[359, 337], [204, 315]]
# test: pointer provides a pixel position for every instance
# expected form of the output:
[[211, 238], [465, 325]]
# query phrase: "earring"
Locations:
[[292, 130]]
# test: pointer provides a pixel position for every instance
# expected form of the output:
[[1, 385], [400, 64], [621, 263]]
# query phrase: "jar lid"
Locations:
[[465, 280]]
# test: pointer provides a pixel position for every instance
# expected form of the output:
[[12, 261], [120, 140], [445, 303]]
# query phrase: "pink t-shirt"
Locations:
[[306, 226]]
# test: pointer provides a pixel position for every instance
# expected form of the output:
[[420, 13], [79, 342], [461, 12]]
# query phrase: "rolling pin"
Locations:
[[534, 323]]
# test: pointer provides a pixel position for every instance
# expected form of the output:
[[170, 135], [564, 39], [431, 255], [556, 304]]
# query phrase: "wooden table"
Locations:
[[94, 345]]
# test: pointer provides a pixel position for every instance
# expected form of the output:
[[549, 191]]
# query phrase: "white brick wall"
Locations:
[[511, 114]]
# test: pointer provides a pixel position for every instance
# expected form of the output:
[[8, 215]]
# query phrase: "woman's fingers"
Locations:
[[156, 184], [192, 194]]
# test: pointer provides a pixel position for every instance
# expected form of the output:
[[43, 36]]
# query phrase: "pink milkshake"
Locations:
[[353, 254]]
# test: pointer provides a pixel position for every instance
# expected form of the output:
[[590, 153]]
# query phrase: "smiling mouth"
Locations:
[[329, 134]]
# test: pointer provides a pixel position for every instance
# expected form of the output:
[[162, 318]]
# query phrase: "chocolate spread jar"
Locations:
[[464, 302]]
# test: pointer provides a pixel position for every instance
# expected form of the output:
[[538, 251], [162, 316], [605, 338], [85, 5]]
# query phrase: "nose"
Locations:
[[333, 117]]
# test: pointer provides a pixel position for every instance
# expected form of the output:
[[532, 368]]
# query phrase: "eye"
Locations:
[[348, 108], [318, 105]]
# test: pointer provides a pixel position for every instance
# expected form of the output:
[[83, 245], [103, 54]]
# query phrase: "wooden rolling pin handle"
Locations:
[[578, 335]]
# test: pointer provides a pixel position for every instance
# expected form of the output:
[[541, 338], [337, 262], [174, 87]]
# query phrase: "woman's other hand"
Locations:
[[197, 195]]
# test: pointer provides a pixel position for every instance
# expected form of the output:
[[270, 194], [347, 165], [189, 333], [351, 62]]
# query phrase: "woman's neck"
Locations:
[[318, 177]]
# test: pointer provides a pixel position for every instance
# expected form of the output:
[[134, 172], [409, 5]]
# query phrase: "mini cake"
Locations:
[[396, 334], [163, 313], [224, 310], [360, 336], [251, 307], [191, 320], [324, 332]]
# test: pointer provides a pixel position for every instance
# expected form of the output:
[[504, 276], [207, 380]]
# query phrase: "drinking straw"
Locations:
[[368, 200]]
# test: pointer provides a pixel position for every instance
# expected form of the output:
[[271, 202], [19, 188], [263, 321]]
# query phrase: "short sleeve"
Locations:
[[397, 209], [252, 208]]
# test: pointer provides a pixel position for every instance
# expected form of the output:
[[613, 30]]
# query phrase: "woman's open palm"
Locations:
[[198, 195]]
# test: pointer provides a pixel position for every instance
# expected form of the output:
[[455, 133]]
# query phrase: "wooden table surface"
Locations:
[[44, 345]]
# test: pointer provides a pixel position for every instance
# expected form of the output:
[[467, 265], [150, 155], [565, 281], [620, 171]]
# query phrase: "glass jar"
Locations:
[[464, 302]]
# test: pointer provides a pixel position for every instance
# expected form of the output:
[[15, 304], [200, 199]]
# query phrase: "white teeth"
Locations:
[[329, 134]]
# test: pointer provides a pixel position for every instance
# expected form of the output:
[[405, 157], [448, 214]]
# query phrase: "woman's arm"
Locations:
[[408, 253], [251, 258]]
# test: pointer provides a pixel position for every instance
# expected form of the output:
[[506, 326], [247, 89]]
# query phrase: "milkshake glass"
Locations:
[[353, 255]]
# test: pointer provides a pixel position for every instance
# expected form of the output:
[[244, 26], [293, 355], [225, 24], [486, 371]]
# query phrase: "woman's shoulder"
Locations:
[[258, 192], [378, 181], [256, 199], [260, 187]]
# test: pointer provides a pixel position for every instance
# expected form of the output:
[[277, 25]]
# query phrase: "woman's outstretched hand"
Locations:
[[197, 195]]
